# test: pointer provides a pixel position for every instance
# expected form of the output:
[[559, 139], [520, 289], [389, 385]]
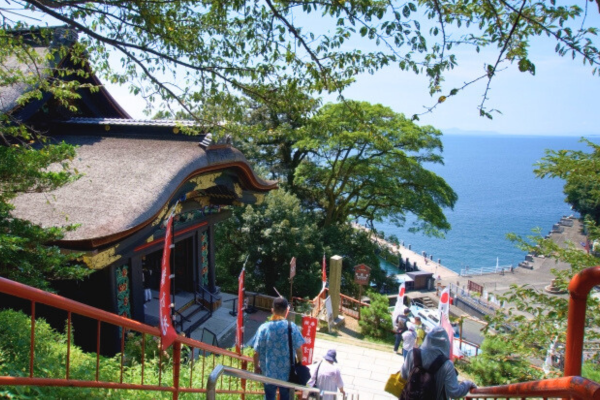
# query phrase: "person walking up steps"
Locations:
[[401, 327], [327, 376], [433, 357], [271, 351]]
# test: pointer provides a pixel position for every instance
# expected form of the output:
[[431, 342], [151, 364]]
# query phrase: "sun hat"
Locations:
[[330, 356]]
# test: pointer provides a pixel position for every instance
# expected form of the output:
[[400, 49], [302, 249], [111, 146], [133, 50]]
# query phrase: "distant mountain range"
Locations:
[[456, 131]]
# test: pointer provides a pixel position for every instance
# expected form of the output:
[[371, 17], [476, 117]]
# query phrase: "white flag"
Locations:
[[399, 307], [444, 306]]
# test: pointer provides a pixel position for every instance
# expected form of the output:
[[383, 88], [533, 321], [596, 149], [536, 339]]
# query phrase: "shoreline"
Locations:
[[422, 263]]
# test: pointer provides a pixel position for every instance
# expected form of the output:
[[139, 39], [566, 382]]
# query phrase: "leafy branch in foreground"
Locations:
[[188, 51]]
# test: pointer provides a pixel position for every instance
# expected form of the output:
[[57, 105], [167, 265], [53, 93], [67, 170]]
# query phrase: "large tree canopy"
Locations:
[[269, 235], [366, 161], [219, 47], [582, 175]]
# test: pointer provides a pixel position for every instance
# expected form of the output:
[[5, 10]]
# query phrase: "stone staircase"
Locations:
[[426, 301]]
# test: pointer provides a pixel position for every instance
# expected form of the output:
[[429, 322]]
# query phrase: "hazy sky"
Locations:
[[561, 99]]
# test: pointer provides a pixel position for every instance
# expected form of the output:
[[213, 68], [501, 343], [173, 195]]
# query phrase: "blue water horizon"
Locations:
[[498, 194]]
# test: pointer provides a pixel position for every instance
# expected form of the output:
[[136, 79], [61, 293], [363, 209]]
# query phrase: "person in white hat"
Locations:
[[327, 376]]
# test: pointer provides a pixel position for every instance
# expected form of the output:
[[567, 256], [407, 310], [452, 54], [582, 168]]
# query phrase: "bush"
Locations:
[[376, 320], [497, 365], [591, 370], [49, 359]]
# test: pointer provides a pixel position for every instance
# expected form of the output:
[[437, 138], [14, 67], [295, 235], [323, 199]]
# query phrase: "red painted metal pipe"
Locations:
[[176, 368], [569, 387], [579, 289]]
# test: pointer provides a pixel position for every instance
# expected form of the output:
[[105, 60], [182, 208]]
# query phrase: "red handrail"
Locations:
[[73, 307], [568, 386], [579, 289]]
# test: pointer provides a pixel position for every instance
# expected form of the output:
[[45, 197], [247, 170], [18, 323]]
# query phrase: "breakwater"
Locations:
[[410, 259]]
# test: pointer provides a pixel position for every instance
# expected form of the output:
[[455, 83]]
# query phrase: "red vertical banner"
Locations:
[[324, 272], [239, 333], [445, 323], [167, 331], [309, 332]]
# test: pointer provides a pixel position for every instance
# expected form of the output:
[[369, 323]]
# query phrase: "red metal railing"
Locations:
[[570, 386], [199, 352]]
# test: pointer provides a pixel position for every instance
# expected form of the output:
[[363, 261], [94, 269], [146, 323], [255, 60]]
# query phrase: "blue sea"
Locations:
[[498, 194]]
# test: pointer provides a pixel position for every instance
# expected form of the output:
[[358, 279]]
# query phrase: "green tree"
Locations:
[[580, 171], [270, 235], [376, 321], [356, 248], [267, 132], [26, 157], [498, 365], [366, 161], [187, 51], [277, 230]]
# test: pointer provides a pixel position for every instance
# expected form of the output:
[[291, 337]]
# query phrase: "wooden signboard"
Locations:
[[362, 274], [475, 287]]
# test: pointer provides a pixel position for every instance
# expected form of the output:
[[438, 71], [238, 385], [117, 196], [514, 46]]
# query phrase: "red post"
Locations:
[[579, 288], [245, 368], [176, 368], [32, 341]]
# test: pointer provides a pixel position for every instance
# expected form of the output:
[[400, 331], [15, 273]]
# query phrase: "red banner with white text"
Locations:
[[167, 331], [239, 333], [309, 332], [324, 272]]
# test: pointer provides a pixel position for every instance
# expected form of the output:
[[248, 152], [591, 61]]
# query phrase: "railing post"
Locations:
[[176, 368], [579, 288], [245, 368], [211, 383]]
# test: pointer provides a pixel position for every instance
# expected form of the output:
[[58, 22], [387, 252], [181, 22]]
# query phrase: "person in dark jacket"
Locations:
[[436, 342], [401, 326]]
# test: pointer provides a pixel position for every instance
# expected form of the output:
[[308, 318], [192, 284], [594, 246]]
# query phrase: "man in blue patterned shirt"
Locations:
[[271, 349]]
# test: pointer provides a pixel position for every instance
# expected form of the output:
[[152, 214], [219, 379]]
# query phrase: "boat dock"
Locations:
[[423, 263]]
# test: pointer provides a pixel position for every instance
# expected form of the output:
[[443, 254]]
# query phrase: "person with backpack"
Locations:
[[429, 373], [401, 327]]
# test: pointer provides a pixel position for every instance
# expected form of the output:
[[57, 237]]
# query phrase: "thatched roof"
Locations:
[[126, 182], [38, 57]]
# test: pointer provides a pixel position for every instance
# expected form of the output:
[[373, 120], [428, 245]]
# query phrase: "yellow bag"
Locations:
[[395, 384]]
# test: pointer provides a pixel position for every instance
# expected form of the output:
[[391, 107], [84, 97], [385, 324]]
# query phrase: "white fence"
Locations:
[[498, 269]]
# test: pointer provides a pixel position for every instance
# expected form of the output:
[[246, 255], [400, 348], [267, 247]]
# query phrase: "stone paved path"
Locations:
[[364, 370]]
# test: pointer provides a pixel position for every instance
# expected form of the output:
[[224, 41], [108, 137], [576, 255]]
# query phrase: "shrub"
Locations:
[[376, 321], [50, 362], [497, 365]]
